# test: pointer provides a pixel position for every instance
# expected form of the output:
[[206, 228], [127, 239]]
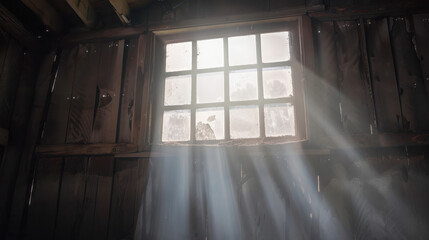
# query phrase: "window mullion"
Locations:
[[260, 86], [193, 90], [226, 88]]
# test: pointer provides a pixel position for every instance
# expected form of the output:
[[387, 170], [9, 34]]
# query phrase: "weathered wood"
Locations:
[[49, 16], [386, 96], [85, 149], [143, 85], [43, 202], [83, 97], [84, 10], [353, 109], [109, 92], [57, 118], [4, 136], [421, 33], [414, 100], [122, 10]]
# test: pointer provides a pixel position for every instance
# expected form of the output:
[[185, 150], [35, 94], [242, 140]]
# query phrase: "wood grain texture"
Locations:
[[55, 130], [83, 97], [421, 33], [109, 88], [85, 149], [353, 109], [386, 96], [44, 199], [414, 100]]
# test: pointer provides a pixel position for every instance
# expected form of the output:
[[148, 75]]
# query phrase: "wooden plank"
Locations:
[[49, 16], [140, 204], [4, 136], [81, 115], [414, 100], [57, 118], [353, 109], [85, 149], [123, 209], [122, 10], [44, 199], [144, 74], [421, 33], [386, 96], [109, 88], [84, 10]]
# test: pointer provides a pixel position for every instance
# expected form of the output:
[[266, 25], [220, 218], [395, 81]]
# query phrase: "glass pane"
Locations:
[[275, 47], [277, 82], [210, 87], [210, 53], [210, 124], [279, 120], [242, 50], [243, 85], [178, 57], [178, 90], [244, 122], [176, 126]]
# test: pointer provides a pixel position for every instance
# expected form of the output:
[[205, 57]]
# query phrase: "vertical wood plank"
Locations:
[[144, 74], [414, 100], [386, 96], [56, 123], [421, 33], [108, 88], [353, 109], [43, 204]]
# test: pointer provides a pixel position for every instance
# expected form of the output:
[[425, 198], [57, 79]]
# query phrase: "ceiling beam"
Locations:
[[84, 10], [122, 10], [46, 13]]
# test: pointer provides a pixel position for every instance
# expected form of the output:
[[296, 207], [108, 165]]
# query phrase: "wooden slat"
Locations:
[[83, 97], [414, 100], [44, 198], [421, 33], [85, 149], [4, 135], [49, 16], [353, 108], [57, 119], [84, 10], [386, 96], [144, 74], [122, 10], [109, 88]]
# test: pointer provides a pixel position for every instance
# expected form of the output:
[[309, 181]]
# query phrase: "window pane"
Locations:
[[244, 122], [279, 120], [275, 47], [179, 57], [277, 82], [210, 124], [176, 126], [243, 85], [242, 50], [210, 53], [178, 90], [210, 87]]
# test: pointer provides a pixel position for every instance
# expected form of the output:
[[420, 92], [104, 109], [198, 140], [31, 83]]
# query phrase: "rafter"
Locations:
[[122, 10], [84, 10], [46, 13]]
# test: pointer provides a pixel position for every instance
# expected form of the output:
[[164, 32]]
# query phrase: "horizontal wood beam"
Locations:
[[85, 149], [46, 13], [84, 10], [122, 10], [4, 136], [103, 35]]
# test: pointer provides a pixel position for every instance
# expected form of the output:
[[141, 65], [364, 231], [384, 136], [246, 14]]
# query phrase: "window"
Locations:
[[229, 84]]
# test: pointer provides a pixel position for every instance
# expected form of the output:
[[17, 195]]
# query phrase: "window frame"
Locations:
[[164, 37]]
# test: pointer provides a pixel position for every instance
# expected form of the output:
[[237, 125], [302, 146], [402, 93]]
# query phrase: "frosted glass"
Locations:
[[210, 53], [243, 85], [279, 120], [178, 90], [242, 50], [210, 124], [244, 122], [277, 82], [210, 87], [176, 126], [178, 57], [275, 47]]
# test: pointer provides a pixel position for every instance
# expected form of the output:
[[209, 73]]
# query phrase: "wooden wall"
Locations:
[[371, 79]]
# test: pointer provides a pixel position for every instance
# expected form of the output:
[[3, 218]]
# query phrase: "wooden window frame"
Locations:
[[164, 37]]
